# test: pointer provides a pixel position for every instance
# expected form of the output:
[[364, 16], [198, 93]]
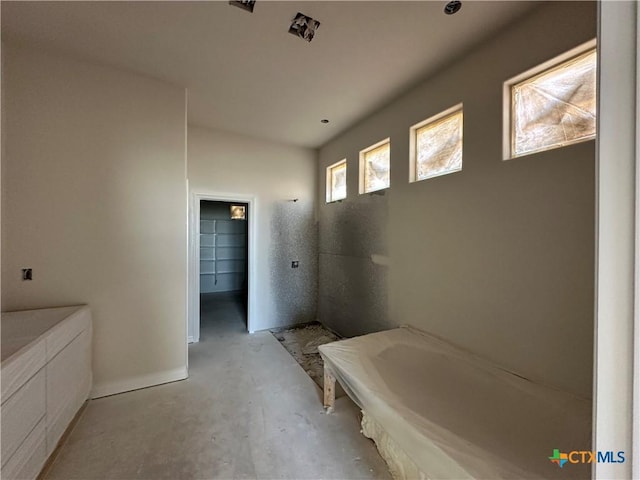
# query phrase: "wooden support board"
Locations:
[[329, 390]]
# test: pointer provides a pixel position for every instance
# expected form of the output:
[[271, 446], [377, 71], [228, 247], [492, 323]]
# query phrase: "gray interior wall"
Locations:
[[498, 258]]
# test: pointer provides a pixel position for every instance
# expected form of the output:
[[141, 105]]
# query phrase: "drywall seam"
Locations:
[[635, 440], [187, 247], [135, 383]]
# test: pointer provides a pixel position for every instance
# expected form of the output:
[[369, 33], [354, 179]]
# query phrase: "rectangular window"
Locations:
[[337, 181], [436, 145], [375, 164], [552, 105]]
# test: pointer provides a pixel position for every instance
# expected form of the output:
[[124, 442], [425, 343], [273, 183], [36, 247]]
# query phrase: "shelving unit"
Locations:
[[222, 255]]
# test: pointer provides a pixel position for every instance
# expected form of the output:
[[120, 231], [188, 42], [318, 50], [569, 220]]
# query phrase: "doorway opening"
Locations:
[[224, 263], [222, 260]]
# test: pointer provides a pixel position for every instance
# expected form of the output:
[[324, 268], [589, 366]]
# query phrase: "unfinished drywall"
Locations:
[[498, 258], [353, 250], [294, 233], [227, 164], [95, 202]]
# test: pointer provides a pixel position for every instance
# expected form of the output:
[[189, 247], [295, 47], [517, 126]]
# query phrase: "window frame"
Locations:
[[508, 139], [329, 181], [413, 142], [363, 164]]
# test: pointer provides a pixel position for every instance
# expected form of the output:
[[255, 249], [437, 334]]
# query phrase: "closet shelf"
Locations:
[[226, 243], [225, 272], [225, 234], [222, 259], [219, 220]]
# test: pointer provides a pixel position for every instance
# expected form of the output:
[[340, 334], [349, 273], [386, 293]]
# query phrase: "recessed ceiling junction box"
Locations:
[[244, 4], [452, 7], [304, 27]]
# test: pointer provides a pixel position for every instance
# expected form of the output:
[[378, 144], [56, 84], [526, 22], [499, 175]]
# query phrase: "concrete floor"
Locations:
[[248, 410]]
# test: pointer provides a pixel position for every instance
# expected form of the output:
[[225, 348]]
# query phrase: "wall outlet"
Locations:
[[27, 274], [295, 264]]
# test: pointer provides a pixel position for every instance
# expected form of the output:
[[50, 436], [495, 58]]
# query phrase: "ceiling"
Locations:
[[245, 73]]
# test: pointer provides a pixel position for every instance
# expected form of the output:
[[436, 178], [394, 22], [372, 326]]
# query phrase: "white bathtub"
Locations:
[[46, 378], [437, 411]]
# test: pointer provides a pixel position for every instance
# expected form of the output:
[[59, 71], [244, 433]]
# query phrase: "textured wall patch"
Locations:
[[353, 269], [294, 233]]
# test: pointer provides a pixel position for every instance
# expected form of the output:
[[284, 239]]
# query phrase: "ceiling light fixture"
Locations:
[[238, 212], [452, 7]]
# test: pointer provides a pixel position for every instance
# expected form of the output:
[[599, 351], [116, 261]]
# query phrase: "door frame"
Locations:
[[616, 395], [193, 296]]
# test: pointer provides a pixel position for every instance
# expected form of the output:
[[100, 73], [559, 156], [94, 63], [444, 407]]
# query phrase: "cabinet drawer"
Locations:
[[21, 413], [28, 460], [67, 377]]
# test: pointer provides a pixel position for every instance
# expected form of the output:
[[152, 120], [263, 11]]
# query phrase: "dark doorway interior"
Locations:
[[223, 263]]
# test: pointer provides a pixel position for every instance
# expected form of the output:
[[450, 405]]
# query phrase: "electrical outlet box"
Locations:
[[27, 274], [295, 264]]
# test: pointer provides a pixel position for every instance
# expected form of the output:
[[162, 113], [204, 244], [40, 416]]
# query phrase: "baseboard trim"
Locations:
[[136, 383]]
